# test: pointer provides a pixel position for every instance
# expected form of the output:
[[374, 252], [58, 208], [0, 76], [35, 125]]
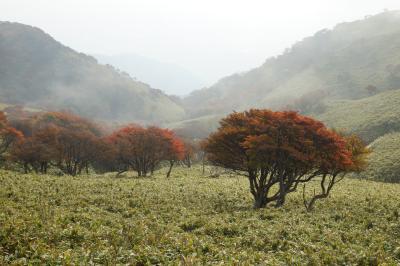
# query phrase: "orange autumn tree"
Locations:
[[75, 140], [173, 148], [189, 152], [36, 150], [60, 139], [282, 149], [359, 153], [143, 149], [8, 134]]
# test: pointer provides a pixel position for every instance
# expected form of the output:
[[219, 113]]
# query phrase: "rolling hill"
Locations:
[[370, 117], [341, 62], [384, 160], [36, 70], [376, 119]]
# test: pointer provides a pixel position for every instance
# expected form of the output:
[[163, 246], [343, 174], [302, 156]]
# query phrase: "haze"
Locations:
[[210, 39]]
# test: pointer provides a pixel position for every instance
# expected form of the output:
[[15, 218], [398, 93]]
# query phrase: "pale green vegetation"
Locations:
[[199, 127], [377, 120], [369, 117], [190, 219], [384, 159]]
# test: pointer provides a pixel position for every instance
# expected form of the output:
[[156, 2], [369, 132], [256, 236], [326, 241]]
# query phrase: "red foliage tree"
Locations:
[[359, 153], [189, 153], [277, 148], [36, 151], [75, 141], [8, 134], [142, 149], [107, 157], [61, 139], [173, 149]]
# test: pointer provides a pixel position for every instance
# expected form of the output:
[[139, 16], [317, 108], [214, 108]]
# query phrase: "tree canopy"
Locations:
[[8, 134], [278, 148], [143, 149]]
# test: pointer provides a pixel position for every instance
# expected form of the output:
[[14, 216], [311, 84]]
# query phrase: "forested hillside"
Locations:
[[333, 64], [38, 71]]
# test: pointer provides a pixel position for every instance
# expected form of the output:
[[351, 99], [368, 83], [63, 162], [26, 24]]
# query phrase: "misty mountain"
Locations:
[[171, 78], [36, 70], [332, 64]]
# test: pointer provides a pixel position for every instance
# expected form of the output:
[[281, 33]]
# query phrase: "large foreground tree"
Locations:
[[281, 149]]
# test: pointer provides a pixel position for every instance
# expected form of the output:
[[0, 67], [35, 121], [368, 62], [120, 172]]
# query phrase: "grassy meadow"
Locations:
[[191, 219]]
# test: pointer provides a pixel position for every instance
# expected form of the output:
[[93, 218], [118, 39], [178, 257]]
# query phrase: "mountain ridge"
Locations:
[[37, 70], [342, 61]]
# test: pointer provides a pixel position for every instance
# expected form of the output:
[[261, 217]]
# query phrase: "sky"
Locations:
[[210, 38]]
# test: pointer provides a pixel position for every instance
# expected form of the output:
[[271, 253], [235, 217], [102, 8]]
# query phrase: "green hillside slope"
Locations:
[[39, 71], [384, 161], [377, 120], [342, 62], [369, 117], [197, 128]]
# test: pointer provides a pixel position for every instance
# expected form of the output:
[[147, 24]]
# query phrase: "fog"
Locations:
[[211, 39]]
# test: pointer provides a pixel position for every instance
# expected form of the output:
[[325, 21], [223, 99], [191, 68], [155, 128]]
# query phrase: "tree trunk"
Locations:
[[187, 162], [258, 191], [260, 201], [42, 167], [171, 164], [45, 166], [26, 168], [325, 190], [310, 205], [282, 194]]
